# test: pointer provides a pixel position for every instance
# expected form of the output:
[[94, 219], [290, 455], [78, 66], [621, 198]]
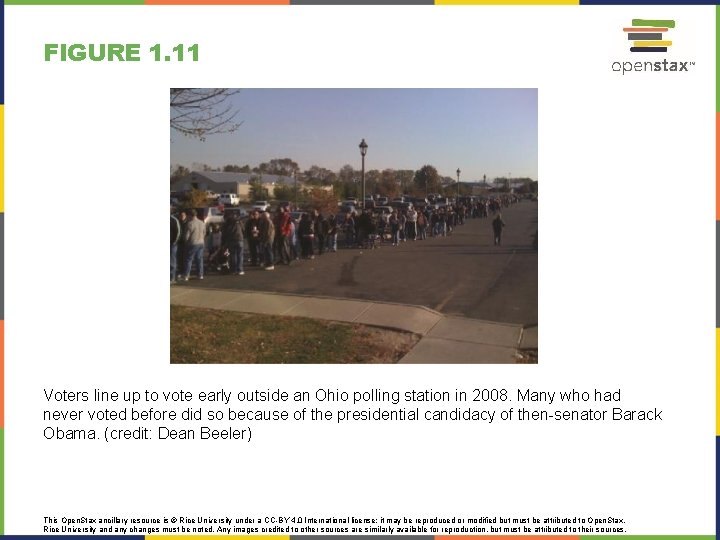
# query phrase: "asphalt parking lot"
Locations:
[[463, 274]]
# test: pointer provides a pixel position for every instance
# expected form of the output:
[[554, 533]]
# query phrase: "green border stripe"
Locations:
[[74, 2]]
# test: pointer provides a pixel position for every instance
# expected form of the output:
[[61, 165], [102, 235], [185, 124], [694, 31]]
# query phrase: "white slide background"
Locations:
[[626, 268]]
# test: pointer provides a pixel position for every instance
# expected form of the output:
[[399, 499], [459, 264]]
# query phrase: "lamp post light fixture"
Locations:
[[363, 150], [458, 189]]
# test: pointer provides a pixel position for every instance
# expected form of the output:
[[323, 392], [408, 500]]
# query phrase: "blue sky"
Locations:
[[480, 131]]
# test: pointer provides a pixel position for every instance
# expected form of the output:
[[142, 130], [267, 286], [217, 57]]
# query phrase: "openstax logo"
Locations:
[[650, 37]]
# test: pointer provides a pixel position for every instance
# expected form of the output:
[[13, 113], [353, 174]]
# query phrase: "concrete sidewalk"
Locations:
[[444, 340]]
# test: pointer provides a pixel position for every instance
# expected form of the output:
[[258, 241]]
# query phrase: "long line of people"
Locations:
[[283, 239]]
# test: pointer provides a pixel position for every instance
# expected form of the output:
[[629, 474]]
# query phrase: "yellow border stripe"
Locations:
[[652, 43], [508, 2]]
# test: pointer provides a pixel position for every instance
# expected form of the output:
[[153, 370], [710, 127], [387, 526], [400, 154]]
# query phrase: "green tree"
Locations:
[[388, 184], [348, 175], [320, 176], [236, 168], [427, 179], [350, 191], [196, 198], [372, 179], [404, 178], [257, 191], [284, 193], [179, 173], [323, 201]]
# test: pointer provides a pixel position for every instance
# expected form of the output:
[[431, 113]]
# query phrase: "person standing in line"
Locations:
[[181, 251], [306, 232], [497, 225], [252, 233], [294, 239], [232, 239], [412, 217], [282, 236], [266, 237], [402, 218], [195, 244], [349, 229], [321, 231], [332, 233], [422, 225], [175, 231], [394, 223]]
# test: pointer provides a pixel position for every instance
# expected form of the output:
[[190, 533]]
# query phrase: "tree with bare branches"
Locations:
[[199, 112]]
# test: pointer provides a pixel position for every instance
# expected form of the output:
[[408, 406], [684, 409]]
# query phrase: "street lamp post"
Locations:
[[458, 189], [363, 150]]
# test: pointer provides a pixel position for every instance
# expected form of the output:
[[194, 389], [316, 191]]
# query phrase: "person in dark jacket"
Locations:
[[282, 236], [364, 223], [232, 239], [497, 225], [182, 219], [321, 231], [267, 238], [306, 233], [349, 229], [175, 232]]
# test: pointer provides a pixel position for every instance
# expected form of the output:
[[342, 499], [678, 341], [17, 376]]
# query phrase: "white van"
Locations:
[[229, 199]]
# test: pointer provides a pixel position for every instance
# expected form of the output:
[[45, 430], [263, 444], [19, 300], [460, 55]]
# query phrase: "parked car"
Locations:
[[382, 201], [240, 213], [400, 205], [211, 215], [261, 206], [230, 199], [384, 212]]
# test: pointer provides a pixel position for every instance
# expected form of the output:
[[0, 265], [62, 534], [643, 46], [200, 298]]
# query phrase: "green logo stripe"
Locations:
[[653, 22]]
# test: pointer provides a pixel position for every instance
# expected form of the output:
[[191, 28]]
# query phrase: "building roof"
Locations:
[[241, 178]]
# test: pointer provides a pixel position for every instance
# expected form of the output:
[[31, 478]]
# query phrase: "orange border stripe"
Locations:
[[645, 29]]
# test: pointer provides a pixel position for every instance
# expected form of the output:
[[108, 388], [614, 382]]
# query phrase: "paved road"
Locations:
[[463, 274]]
